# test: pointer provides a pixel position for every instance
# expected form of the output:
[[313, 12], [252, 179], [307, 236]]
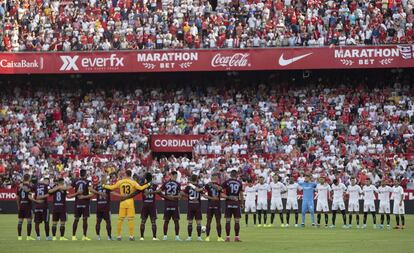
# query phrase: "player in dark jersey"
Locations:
[[41, 207], [213, 190], [192, 192], [59, 214], [24, 207], [103, 208], [84, 192], [233, 192], [149, 209], [171, 193]]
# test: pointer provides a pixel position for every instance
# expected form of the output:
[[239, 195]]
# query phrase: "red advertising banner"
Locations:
[[392, 56], [174, 143], [8, 194]]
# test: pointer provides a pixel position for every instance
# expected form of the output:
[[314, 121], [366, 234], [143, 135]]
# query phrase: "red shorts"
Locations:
[[149, 210], [213, 211], [171, 213], [41, 215], [59, 215], [103, 214], [25, 212], [82, 210], [194, 211], [233, 210]]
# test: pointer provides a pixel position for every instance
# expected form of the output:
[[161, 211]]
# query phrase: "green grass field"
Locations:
[[255, 240]]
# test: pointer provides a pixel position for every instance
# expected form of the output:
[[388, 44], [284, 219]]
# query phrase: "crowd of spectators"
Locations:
[[328, 127], [84, 25]]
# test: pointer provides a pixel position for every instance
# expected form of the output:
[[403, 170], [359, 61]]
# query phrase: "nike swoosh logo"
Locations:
[[285, 62]]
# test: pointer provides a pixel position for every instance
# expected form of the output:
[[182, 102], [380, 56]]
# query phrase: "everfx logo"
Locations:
[[70, 62]]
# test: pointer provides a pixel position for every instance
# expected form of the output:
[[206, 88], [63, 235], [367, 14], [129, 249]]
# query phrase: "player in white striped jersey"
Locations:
[[262, 189], [384, 192], [398, 210], [354, 193], [369, 202], [339, 190], [292, 201], [250, 201], [278, 188], [323, 189]]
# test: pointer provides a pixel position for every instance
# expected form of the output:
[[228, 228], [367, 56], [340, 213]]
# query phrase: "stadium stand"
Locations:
[[85, 25], [283, 123]]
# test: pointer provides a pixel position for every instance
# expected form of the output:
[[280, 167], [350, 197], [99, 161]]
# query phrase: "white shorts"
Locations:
[[322, 206], [384, 207], [353, 206], [250, 207], [369, 206], [338, 205], [276, 204], [398, 209], [262, 205], [292, 204]]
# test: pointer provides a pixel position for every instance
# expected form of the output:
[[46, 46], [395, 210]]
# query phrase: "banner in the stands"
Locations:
[[347, 57]]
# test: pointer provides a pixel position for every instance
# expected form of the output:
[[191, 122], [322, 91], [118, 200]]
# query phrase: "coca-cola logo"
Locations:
[[228, 61]]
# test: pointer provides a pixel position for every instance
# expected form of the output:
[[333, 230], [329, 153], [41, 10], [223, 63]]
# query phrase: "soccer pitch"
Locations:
[[255, 240]]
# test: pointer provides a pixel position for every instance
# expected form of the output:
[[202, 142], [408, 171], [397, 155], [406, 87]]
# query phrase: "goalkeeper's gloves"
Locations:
[[148, 177]]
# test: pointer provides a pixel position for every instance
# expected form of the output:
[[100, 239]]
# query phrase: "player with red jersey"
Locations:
[[213, 190], [24, 207], [233, 192], [193, 193], [103, 208], [41, 207], [149, 209], [82, 201], [171, 193], [59, 213]]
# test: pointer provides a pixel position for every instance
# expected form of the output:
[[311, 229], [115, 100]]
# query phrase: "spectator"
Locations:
[[54, 25]]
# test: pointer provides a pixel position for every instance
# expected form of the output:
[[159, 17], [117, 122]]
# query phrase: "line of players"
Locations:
[[337, 193], [32, 197]]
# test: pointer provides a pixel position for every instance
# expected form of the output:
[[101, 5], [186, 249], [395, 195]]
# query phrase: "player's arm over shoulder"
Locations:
[[114, 186], [138, 186], [54, 189], [95, 191]]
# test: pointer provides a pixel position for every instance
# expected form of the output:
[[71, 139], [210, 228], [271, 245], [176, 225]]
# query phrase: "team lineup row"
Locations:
[[256, 201], [38, 192], [35, 193]]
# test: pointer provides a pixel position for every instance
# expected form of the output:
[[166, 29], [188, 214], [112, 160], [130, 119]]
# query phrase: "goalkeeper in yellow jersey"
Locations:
[[127, 186]]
